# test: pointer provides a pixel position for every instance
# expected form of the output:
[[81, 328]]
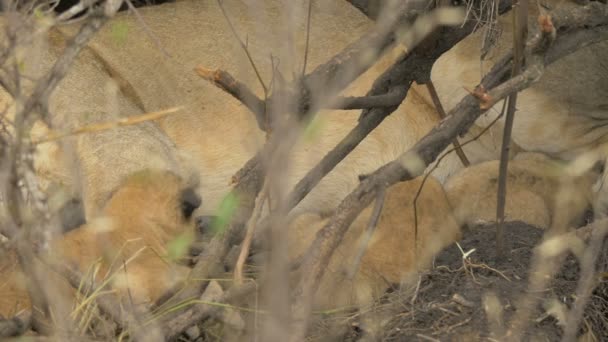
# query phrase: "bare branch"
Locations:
[[308, 17], [371, 227], [124, 121], [370, 8], [427, 149], [195, 314], [439, 107], [251, 225], [390, 99], [397, 79], [240, 91], [74, 10], [249, 179], [244, 47]]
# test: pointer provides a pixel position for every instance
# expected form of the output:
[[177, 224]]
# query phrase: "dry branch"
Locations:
[[345, 66], [106, 304], [244, 47], [16, 154], [240, 91], [426, 150], [441, 111], [391, 99], [193, 315], [411, 67], [99, 127], [329, 79], [249, 179], [520, 31], [368, 7]]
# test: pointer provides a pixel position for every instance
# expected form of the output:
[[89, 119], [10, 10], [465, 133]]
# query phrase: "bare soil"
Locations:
[[446, 305]]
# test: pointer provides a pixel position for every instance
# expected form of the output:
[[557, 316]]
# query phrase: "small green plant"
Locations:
[[178, 247], [313, 128], [225, 212]]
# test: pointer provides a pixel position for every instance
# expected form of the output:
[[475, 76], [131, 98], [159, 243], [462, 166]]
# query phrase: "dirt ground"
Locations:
[[446, 305]]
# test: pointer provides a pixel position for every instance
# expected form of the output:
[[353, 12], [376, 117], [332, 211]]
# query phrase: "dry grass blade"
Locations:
[[99, 127]]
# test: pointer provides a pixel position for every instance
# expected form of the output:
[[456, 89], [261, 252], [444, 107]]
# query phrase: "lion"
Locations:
[[402, 244], [221, 137], [89, 165], [214, 132], [562, 115], [541, 191], [126, 247]]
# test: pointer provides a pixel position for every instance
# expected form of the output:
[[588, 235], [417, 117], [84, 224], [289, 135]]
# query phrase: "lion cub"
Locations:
[[392, 254], [128, 244], [540, 192]]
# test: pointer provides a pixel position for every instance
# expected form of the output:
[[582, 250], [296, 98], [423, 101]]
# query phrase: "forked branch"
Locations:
[[593, 16]]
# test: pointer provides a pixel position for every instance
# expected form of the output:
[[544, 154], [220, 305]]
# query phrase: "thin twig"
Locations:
[[308, 17], [193, 315], [223, 80], [428, 173], [391, 99], [371, 227], [251, 224], [244, 47], [520, 30], [441, 111], [147, 29], [396, 80], [99, 127], [74, 10]]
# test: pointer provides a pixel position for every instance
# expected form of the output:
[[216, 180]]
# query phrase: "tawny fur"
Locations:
[[540, 191], [216, 131], [563, 115], [143, 215], [90, 93], [393, 255]]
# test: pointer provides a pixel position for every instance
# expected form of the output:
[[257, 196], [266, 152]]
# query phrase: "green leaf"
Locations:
[[178, 247], [313, 129], [38, 14], [225, 212]]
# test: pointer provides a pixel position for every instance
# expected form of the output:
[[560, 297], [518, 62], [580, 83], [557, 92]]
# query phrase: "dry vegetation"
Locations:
[[541, 286]]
